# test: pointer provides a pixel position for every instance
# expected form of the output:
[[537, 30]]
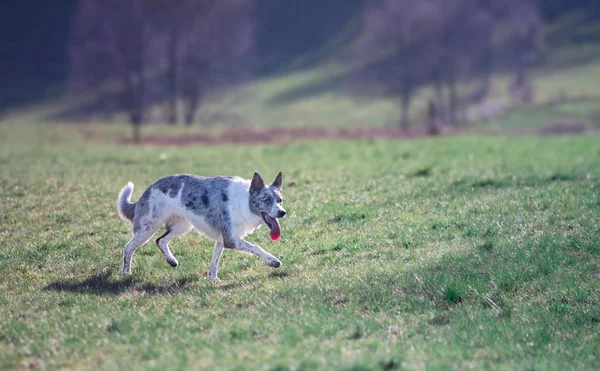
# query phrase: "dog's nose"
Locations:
[[282, 213]]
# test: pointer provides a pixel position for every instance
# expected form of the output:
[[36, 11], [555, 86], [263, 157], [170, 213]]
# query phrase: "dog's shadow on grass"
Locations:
[[230, 284], [102, 284]]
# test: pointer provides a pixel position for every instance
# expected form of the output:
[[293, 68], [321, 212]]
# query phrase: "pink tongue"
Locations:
[[275, 230]]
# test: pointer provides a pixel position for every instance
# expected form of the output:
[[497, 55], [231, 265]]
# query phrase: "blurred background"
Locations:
[[169, 68]]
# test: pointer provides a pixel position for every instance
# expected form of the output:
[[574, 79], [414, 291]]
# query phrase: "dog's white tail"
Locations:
[[125, 207]]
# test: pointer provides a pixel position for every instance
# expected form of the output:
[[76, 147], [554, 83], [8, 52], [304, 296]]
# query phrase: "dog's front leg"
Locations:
[[269, 259], [213, 268]]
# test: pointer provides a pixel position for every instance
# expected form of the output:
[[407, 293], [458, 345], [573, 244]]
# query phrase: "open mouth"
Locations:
[[273, 225]]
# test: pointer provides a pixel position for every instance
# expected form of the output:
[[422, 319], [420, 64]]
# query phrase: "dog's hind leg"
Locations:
[[140, 237], [213, 268], [175, 227]]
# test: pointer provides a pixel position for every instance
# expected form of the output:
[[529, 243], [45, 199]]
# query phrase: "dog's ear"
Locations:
[[278, 181], [257, 183]]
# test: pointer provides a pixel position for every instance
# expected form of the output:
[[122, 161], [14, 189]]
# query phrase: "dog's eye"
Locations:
[[279, 200]]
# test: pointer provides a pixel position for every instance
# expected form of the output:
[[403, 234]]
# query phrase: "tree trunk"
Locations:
[[172, 76], [520, 70], [434, 121], [136, 122], [190, 111], [135, 103], [439, 102], [193, 102], [452, 103], [405, 120]]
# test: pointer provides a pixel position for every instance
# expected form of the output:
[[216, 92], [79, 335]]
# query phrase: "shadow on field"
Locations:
[[102, 284]]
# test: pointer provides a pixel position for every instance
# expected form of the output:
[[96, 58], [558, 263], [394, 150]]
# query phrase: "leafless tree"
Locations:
[[210, 44], [425, 41], [159, 50], [441, 42], [520, 34], [113, 41], [394, 36], [464, 41], [173, 17]]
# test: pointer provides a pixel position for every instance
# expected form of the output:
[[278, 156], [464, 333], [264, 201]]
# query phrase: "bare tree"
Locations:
[[463, 39], [442, 42], [159, 50], [173, 17], [521, 35], [395, 35], [426, 41], [114, 41], [210, 44]]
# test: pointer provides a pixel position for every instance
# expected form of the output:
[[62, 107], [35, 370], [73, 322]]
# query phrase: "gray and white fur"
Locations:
[[224, 209]]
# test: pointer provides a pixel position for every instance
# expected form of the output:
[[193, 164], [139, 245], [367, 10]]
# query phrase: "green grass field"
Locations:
[[463, 252]]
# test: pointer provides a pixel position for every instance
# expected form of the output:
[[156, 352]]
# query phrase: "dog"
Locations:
[[224, 209]]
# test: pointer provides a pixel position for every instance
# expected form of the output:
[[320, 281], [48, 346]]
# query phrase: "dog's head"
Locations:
[[266, 202]]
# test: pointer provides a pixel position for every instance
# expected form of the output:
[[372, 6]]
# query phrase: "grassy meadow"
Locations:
[[463, 252]]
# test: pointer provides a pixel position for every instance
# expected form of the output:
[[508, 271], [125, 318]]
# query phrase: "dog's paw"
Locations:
[[273, 262]]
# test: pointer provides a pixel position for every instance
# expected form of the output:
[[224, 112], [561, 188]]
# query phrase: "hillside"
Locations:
[[303, 73]]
